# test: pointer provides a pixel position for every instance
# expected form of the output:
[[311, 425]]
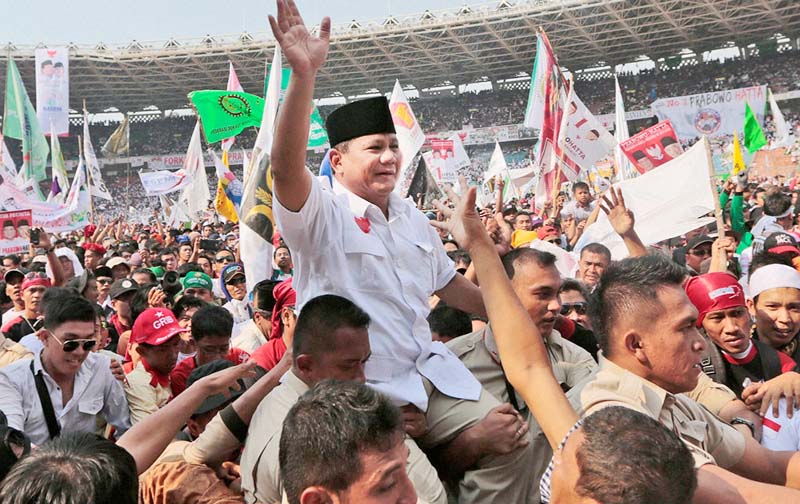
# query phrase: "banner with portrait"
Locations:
[[714, 114], [652, 147], [16, 234], [52, 89]]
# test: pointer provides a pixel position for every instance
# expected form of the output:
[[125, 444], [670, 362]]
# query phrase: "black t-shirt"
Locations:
[[762, 362], [20, 327]]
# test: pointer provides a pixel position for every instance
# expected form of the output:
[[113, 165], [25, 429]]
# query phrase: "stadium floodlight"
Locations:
[[427, 16], [171, 43], [246, 38], [391, 21]]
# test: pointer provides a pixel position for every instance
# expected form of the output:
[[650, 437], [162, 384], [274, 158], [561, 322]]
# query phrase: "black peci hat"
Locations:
[[359, 118]]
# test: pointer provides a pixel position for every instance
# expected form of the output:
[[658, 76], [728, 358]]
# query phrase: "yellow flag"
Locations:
[[222, 203], [738, 160]]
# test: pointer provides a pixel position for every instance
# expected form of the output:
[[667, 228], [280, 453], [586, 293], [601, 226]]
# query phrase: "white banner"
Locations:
[[160, 182], [714, 114], [52, 89], [586, 141], [409, 133]]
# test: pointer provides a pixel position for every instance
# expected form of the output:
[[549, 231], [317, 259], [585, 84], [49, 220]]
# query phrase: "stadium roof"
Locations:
[[470, 44]]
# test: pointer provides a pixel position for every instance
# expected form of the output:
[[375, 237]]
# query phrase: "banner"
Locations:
[[160, 182], [52, 89], [586, 141], [224, 114], [667, 202], [713, 114], [16, 235], [652, 147], [20, 122], [96, 185], [409, 133], [195, 195]]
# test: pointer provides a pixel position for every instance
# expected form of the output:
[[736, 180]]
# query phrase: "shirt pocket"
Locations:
[[424, 262], [366, 262], [90, 405], [694, 432], [379, 368]]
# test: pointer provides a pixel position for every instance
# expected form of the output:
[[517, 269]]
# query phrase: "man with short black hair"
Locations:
[[170, 259], [66, 386], [330, 342], [257, 331], [282, 258], [651, 357], [448, 323], [337, 421], [211, 332], [594, 259]]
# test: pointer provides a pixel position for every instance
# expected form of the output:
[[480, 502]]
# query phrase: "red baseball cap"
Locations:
[[155, 326], [713, 292], [33, 279], [546, 232]]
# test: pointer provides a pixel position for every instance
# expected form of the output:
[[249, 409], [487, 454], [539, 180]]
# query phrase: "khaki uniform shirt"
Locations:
[[572, 366], [144, 398], [710, 440], [10, 351], [261, 480]]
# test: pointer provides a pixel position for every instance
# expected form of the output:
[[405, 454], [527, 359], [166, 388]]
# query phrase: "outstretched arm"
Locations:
[[306, 54], [521, 346], [622, 220]]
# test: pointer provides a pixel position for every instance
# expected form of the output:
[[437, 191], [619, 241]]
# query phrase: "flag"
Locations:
[[257, 223], [160, 182], [228, 198], [8, 170], [738, 159], [783, 136], [195, 196], [754, 137], [233, 85], [423, 183], [52, 88], [118, 143], [20, 122], [325, 169], [499, 168], [224, 114], [409, 133], [620, 133], [317, 134], [96, 185], [60, 179], [667, 201]]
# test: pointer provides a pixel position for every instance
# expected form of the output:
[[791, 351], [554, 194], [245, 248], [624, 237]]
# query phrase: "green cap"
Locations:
[[158, 271], [197, 280]]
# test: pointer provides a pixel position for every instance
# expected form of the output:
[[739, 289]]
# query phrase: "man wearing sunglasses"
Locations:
[[697, 250], [66, 385]]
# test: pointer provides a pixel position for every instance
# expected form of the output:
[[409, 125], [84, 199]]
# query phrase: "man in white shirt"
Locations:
[[78, 384], [364, 242], [13, 279]]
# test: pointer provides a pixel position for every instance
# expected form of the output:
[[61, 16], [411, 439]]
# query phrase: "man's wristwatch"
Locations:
[[743, 421]]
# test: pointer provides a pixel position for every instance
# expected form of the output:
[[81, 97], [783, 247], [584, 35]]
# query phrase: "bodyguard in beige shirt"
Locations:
[[651, 355], [330, 342]]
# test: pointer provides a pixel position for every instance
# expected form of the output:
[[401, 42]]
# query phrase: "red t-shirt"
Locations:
[[268, 354], [180, 375]]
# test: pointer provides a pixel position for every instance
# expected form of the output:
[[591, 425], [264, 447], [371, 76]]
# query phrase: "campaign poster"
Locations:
[[652, 147], [52, 89], [714, 114], [16, 235]]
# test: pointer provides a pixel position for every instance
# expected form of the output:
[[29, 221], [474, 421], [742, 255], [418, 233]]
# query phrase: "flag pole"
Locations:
[[125, 118], [714, 193], [562, 136], [88, 178]]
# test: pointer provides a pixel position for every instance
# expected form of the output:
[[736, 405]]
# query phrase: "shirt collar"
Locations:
[[294, 382], [554, 339], [156, 378], [359, 205], [651, 396]]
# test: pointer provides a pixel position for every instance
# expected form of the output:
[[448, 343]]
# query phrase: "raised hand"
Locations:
[[305, 53], [619, 216], [463, 222]]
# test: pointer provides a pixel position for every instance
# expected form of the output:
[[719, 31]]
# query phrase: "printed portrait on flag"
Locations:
[[16, 234], [652, 147], [52, 89]]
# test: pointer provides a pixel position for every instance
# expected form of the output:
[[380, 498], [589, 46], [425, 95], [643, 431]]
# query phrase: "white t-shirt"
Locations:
[[781, 433]]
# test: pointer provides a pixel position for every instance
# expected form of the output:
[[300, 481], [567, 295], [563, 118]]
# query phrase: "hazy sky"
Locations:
[[113, 21]]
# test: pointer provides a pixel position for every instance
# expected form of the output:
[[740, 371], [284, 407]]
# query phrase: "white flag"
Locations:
[[497, 163], [783, 137], [8, 170], [667, 201], [195, 196], [60, 182], [460, 157], [96, 184], [409, 134], [620, 134], [233, 85], [160, 182], [255, 215]]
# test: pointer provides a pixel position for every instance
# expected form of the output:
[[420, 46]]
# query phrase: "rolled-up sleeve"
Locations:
[[213, 446], [115, 405]]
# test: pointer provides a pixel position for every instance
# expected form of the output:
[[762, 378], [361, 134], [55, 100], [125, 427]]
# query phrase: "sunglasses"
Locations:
[[224, 259], [580, 308], [104, 281], [701, 252], [72, 345]]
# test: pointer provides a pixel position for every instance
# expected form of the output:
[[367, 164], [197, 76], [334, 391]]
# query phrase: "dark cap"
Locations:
[[232, 272], [359, 118], [13, 272], [122, 286], [103, 271], [781, 243], [217, 400], [698, 240]]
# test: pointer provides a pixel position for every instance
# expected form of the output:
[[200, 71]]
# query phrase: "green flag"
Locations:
[[754, 137], [224, 114], [20, 122], [317, 134]]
